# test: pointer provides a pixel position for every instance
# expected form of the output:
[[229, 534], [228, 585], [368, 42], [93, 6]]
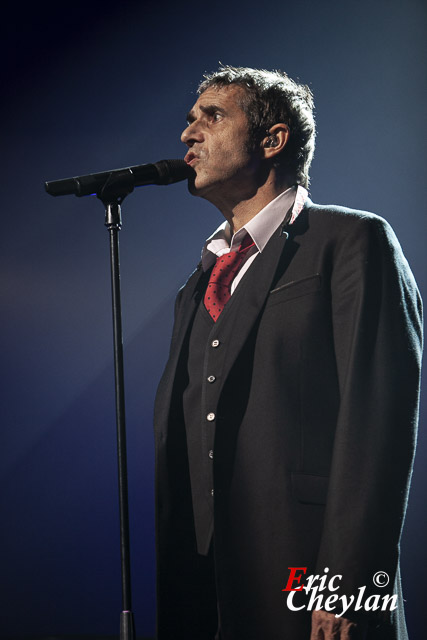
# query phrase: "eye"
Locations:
[[216, 116]]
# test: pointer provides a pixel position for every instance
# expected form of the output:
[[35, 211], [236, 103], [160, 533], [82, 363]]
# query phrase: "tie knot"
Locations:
[[226, 267]]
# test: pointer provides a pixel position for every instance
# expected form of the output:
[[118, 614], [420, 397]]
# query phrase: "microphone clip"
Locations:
[[117, 186]]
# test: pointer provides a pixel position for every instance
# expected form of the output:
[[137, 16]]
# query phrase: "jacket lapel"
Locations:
[[191, 296], [255, 287]]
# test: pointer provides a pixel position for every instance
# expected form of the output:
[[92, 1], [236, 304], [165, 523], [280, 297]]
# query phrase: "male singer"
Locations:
[[285, 419]]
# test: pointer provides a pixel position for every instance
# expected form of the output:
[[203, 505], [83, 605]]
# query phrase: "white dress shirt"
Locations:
[[261, 227]]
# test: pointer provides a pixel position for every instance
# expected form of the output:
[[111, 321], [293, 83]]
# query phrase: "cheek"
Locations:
[[229, 153]]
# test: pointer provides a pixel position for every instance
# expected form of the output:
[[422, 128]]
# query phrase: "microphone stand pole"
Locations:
[[112, 195], [112, 188]]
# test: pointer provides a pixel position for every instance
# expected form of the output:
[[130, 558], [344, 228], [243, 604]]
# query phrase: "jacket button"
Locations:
[[211, 378], [210, 417], [215, 343], [212, 492], [211, 454]]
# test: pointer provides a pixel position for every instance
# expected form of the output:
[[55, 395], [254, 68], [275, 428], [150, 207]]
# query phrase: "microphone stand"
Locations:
[[112, 187], [112, 194]]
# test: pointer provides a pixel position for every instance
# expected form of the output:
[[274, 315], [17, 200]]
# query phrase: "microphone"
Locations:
[[162, 172]]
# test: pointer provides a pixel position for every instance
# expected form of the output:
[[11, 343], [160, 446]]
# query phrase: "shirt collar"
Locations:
[[261, 227]]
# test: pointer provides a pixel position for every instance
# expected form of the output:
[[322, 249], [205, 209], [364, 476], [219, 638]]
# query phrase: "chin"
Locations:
[[197, 186], [192, 188]]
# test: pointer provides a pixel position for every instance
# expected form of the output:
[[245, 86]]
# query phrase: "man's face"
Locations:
[[219, 150]]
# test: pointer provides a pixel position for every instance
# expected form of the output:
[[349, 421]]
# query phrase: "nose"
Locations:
[[192, 134]]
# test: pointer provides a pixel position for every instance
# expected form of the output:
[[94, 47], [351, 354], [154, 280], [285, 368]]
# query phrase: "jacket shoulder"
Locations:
[[346, 215], [338, 221]]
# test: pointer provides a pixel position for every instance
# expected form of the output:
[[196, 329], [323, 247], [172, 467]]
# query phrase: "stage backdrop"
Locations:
[[92, 86]]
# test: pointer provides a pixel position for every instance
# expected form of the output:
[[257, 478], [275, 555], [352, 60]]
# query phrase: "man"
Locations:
[[285, 419]]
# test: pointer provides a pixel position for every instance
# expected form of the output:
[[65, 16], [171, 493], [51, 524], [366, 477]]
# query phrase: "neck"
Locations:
[[238, 210]]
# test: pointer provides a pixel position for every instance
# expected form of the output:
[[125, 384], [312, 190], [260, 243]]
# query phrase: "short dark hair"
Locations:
[[272, 97]]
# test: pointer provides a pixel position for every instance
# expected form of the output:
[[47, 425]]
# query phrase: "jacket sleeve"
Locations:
[[377, 313]]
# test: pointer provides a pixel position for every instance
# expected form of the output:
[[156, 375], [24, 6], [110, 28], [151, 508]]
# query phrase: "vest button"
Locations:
[[215, 343], [212, 492], [211, 454], [210, 417], [211, 378]]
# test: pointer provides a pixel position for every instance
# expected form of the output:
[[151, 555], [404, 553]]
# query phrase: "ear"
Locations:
[[275, 140]]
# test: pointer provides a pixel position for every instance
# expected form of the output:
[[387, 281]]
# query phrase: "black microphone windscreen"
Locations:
[[171, 171]]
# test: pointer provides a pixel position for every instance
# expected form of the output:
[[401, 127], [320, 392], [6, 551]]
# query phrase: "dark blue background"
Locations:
[[92, 86]]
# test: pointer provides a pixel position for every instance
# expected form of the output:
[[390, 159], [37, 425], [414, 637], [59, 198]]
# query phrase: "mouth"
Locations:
[[191, 158]]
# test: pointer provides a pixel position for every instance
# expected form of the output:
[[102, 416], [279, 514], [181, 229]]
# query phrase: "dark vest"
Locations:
[[199, 430], [206, 349]]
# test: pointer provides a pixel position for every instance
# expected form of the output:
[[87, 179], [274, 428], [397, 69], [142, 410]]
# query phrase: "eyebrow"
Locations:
[[208, 109]]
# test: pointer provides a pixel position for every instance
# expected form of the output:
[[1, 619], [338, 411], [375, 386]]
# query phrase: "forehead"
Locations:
[[230, 97]]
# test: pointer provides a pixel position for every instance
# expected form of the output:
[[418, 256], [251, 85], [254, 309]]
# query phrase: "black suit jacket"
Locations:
[[316, 404]]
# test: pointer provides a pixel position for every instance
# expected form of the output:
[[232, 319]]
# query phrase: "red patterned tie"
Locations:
[[226, 267]]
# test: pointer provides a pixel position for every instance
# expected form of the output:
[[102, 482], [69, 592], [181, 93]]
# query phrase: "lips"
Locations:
[[190, 158]]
